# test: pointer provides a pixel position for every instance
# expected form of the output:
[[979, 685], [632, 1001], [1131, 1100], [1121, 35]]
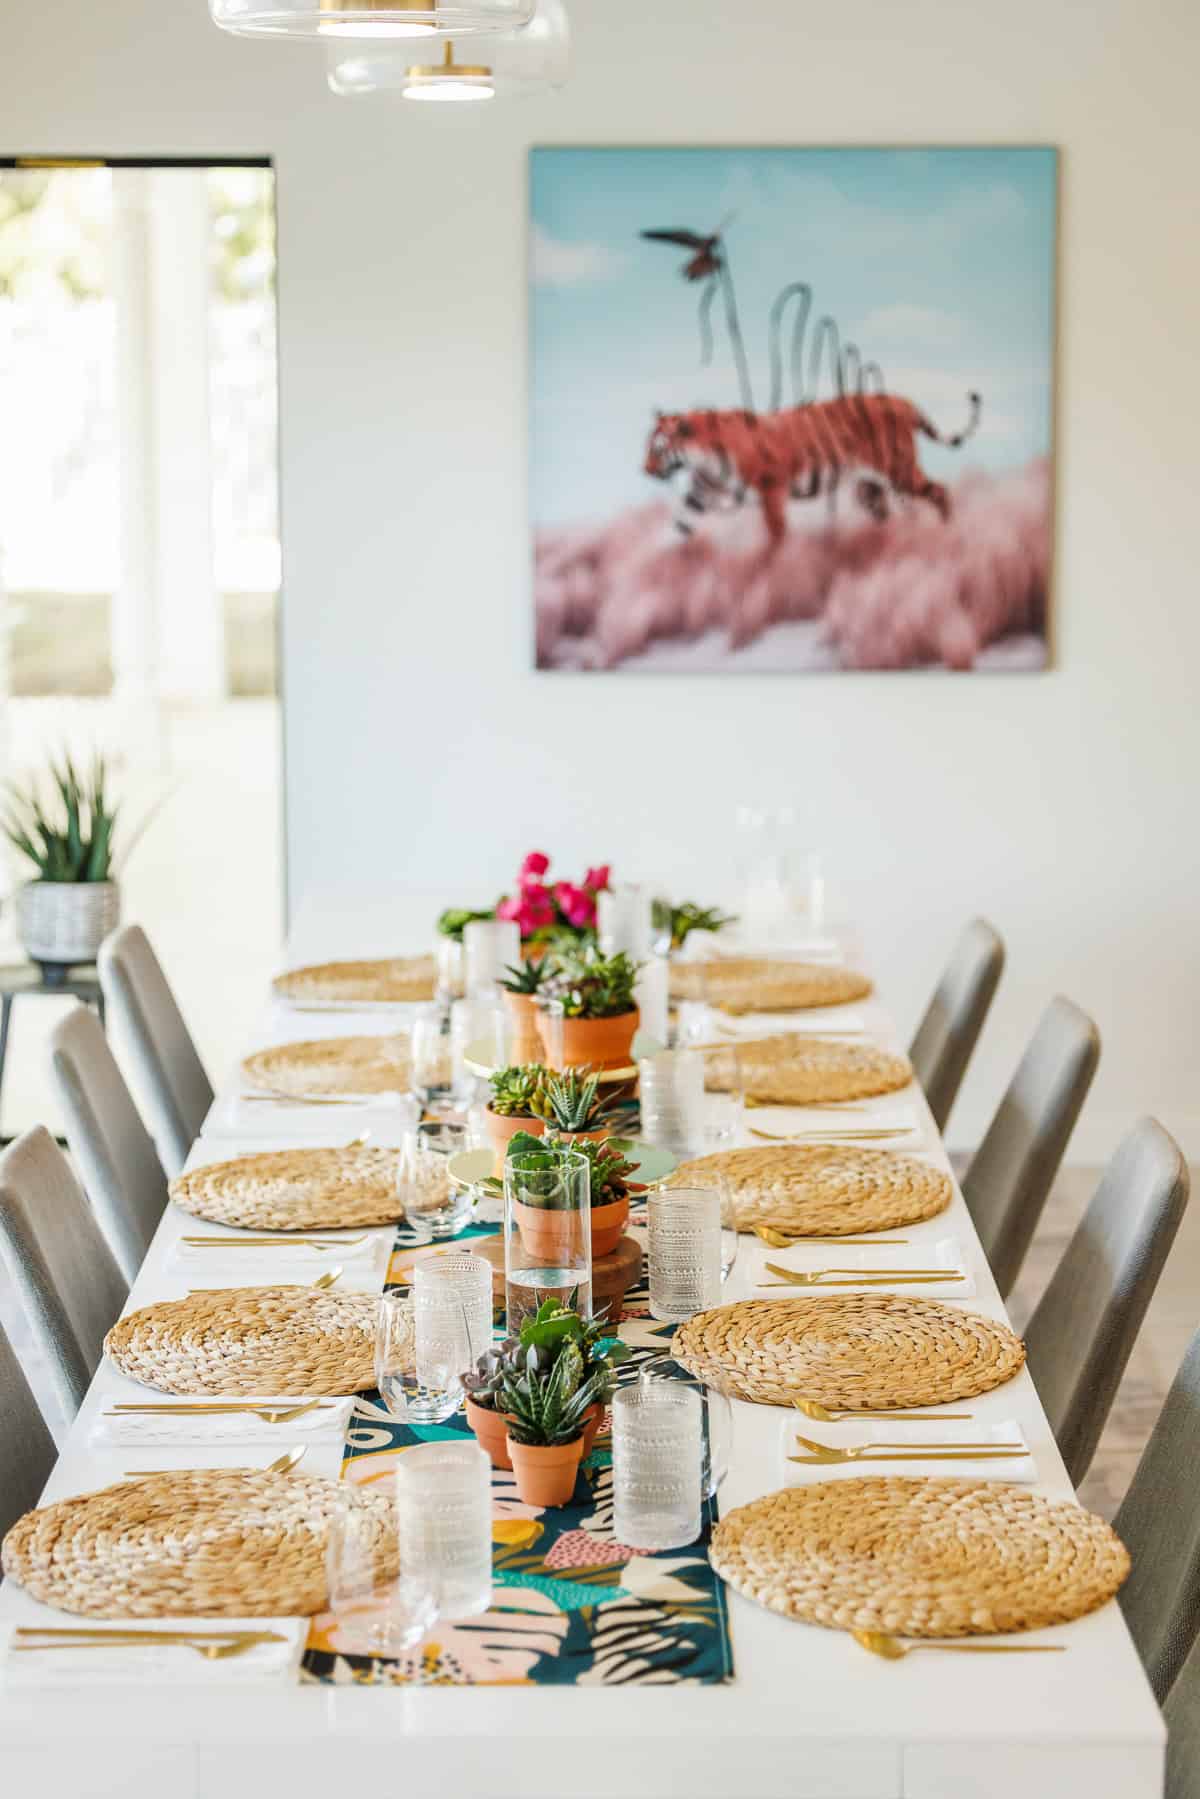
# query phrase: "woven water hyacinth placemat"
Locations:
[[855, 1351], [792, 1069], [295, 1189], [283, 1341], [331, 1065], [921, 1558], [222, 1542], [758, 984], [822, 1189], [396, 979]]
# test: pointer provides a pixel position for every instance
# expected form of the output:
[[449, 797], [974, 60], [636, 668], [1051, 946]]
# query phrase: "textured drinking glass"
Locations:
[[435, 1207], [432, 1056], [406, 1392], [657, 1450], [685, 1252], [671, 1092], [479, 1031], [453, 1294], [444, 1523], [718, 1418], [375, 1610], [625, 921], [547, 1232], [451, 968], [491, 945]]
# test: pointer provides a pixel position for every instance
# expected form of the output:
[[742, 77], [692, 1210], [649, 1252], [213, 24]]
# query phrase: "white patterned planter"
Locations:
[[66, 921]]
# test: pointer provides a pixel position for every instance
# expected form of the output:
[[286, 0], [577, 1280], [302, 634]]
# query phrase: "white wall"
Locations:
[[419, 741]]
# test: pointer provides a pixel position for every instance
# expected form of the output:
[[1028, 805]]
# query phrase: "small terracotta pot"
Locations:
[[491, 1431], [502, 1130], [523, 1015], [546, 1473], [608, 1226], [545, 1231], [598, 1042], [568, 1137], [591, 1427]]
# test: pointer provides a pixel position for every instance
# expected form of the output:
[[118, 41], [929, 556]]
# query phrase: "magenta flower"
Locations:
[[533, 867], [575, 903], [596, 879]]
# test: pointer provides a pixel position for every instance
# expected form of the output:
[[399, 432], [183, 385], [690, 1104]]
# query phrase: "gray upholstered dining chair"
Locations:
[[1182, 1713], [122, 1174], [1083, 1328], [1011, 1173], [55, 1253], [26, 1446], [954, 1017], [1159, 1524], [175, 1091]]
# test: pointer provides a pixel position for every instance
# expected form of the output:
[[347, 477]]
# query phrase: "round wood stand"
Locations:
[[612, 1275]]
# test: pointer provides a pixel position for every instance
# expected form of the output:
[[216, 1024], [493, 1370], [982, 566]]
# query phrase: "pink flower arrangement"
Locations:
[[539, 907]]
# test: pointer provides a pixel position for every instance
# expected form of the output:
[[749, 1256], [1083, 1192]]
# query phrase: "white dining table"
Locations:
[[807, 1713]]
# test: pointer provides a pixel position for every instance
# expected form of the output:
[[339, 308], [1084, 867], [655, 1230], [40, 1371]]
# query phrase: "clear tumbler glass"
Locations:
[[657, 1437], [547, 1231], [684, 1251], [444, 1523]]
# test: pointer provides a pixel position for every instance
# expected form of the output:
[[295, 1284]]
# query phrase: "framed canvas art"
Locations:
[[792, 409]]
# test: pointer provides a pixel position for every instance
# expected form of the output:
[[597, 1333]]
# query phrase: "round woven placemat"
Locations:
[[221, 1542], [295, 1189], [793, 1069], [921, 1558], [331, 1065], [399, 978], [854, 1351], [758, 984], [278, 1341], [822, 1189]]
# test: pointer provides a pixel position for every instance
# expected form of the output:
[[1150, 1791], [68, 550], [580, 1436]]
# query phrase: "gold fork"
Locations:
[[868, 1453], [283, 1464], [879, 1642], [859, 1452], [781, 1240], [330, 1277], [812, 1409], [209, 1644], [268, 1414], [274, 1242], [862, 1277], [865, 1134]]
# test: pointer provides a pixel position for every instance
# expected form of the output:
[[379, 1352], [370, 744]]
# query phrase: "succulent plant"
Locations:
[[519, 1091], [454, 919], [552, 1335], [528, 977], [608, 1170], [677, 922], [574, 1101], [545, 1409], [72, 840], [594, 986]]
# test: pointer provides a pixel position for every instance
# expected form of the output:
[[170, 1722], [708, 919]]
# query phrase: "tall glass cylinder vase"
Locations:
[[491, 945], [547, 1232], [625, 920]]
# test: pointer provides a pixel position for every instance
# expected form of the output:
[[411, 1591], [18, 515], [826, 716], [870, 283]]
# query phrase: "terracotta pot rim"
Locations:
[[558, 1452]]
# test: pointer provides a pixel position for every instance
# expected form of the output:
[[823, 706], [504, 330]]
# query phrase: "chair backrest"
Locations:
[[174, 1089], [1159, 1524], [26, 1446], [122, 1174], [1182, 1713], [949, 1031], [1013, 1170], [63, 1270], [1079, 1338]]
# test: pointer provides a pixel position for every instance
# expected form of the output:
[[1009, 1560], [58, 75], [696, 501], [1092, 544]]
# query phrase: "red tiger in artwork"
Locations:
[[793, 453]]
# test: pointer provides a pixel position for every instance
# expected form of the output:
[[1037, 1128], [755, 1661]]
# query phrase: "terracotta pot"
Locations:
[[546, 1473], [608, 1227], [545, 1232], [597, 1042], [502, 1130], [523, 1015], [568, 1137], [491, 1431], [591, 1427]]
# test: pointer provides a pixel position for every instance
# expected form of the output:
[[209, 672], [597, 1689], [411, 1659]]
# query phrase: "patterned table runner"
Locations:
[[571, 1606]]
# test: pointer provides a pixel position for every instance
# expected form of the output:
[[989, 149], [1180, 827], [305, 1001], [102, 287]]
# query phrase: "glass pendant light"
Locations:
[[506, 65], [378, 20]]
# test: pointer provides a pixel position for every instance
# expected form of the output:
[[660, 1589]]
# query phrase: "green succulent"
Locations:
[[519, 1091], [528, 978], [72, 841], [595, 986], [452, 922], [679, 921], [561, 1366], [608, 1171], [574, 1101]]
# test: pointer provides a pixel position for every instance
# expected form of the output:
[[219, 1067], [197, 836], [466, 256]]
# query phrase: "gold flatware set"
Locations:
[[220, 1409], [283, 1464], [867, 1133], [213, 1645], [819, 1454], [860, 1277], [821, 1415], [892, 1649], [274, 1242], [781, 1240]]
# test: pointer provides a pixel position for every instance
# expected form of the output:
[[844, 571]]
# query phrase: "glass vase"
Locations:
[[547, 1232]]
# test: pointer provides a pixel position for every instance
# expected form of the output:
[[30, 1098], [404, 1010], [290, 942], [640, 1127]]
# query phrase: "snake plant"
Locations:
[[73, 839]]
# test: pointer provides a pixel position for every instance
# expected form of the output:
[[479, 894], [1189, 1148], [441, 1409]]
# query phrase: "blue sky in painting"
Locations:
[[939, 263]]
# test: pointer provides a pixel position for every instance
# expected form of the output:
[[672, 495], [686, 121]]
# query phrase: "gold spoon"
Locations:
[[812, 1409], [893, 1650], [223, 1408], [865, 1134], [780, 1240]]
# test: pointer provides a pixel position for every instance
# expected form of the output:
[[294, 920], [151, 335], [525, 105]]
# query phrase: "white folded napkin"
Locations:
[[813, 1021], [803, 1258], [1005, 1434], [165, 1665], [227, 1266], [862, 1115], [240, 1114], [329, 1420]]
